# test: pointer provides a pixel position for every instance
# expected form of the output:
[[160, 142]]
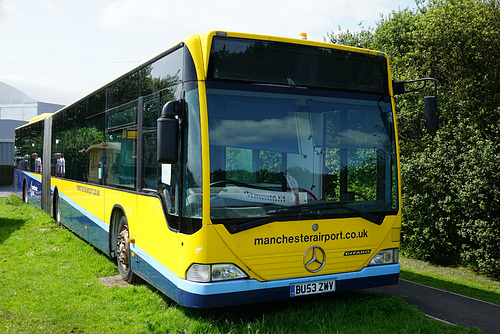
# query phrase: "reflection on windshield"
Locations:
[[272, 149], [249, 132]]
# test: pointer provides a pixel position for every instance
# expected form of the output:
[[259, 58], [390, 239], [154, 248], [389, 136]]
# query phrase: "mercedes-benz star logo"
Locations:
[[314, 259]]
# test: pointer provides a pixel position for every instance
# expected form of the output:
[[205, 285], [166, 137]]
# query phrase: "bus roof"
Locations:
[[39, 117], [202, 42]]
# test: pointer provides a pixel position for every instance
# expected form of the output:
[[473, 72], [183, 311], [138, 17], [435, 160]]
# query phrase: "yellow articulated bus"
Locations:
[[231, 168]]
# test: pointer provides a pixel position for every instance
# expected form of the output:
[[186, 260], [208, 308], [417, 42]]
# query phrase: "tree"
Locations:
[[451, 181]]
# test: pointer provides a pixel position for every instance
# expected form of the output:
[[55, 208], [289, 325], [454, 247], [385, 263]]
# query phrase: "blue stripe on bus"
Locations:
[[102, 224], [76, 218], [76, 210], [279, 293], [30, 178], [193, 294], [34, 186]]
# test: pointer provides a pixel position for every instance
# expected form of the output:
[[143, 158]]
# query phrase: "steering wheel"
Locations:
[[224, 182], [361, 195]]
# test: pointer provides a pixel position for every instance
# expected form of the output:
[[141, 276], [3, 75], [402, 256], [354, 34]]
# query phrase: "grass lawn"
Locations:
[[49, 281]]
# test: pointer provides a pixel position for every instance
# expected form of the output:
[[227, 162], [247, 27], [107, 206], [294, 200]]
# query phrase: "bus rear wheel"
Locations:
[[123, 251], [56, 211], [25, 191]]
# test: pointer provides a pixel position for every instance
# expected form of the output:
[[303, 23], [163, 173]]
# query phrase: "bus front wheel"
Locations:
[[123, 251]]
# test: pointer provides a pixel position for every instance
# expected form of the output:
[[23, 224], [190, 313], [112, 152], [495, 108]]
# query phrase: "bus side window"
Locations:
[[97, 157], [150, 166], [122, 155]]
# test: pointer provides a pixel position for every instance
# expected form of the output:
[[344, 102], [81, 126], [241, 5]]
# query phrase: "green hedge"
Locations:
[[451, 180]]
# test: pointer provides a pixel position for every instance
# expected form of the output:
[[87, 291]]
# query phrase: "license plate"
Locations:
[[311, 288]]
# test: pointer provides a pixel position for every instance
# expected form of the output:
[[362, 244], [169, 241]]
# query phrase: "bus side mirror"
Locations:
[[431, 111], [431, 114], [168, 133]]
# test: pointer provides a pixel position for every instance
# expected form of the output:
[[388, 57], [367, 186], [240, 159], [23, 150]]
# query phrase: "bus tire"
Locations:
[[123, 251], [25, 191], [56, 208]]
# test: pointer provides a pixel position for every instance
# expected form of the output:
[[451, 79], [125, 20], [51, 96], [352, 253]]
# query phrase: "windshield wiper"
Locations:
[[235, 228], [334, 205], [286, 213]]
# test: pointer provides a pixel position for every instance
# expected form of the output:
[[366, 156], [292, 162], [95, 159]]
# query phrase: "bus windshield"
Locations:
[[282, 152]]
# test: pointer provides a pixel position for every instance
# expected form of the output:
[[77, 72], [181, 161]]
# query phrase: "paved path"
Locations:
[[447, 306], [5, 191]]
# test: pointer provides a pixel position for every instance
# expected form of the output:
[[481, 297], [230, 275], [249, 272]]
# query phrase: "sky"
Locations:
[[58, 51]]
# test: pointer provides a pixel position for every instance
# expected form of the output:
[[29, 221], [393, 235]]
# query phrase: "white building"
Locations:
[[16, 109]]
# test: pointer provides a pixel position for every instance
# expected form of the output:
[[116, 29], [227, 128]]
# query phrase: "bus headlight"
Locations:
[[214, 272], [386, 256]]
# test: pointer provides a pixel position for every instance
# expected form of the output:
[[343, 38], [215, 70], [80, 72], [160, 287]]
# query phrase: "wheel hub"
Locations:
[[122, 247]]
